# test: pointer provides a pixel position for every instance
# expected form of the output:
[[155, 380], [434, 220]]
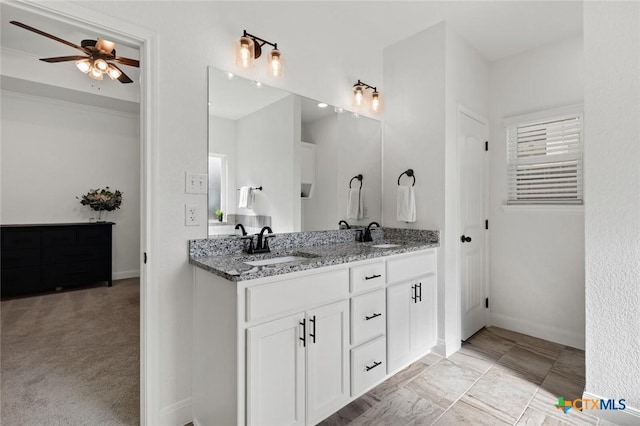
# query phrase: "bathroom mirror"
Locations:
[[298, 158]]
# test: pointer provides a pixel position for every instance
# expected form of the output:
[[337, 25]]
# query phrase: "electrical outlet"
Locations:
[[195, 183], [191, 217]]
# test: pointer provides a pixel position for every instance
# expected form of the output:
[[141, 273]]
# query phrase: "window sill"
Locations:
[[542, 209]]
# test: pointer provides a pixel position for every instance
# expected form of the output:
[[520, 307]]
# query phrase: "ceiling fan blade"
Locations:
[[123, 77], [127, 61], [58, 39], [63, 59]]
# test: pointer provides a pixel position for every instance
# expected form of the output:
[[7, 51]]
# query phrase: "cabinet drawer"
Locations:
[[20, 239], [368, 316], [367, 277], [70, 254], [15, 258], [296, 294], [59, 237], [63, 275], [20, 280], [98, 235], [411, 266], [368, 365]]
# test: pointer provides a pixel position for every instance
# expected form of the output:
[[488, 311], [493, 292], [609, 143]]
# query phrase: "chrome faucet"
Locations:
[[367, 232], [262, 245]]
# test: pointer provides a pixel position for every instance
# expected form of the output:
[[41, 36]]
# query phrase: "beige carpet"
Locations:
[[72, 358]]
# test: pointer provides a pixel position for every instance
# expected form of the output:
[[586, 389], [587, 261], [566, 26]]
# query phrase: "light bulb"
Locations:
[[101, 65], [84, 65], [95, 74], [376, 104], [114, 72], [358, 96], [245, 52], [275, 63]]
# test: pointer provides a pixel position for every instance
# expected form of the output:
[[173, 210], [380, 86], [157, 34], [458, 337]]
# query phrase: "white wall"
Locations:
[[53, 151], [345, 147], [612, 185], [420, 132], [537, 258], [268, 152]]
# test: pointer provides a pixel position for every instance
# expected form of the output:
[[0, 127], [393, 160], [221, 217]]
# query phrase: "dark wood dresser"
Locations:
[[43, 257]]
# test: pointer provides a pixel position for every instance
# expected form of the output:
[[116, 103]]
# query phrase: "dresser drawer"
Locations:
[[411, 266], [20, 280], [296, 294], [63, 275], [69, 254], [368, 317], [368, 365], [59, 237], [94, 235], [367, 277], [15, 258], [20, 239]]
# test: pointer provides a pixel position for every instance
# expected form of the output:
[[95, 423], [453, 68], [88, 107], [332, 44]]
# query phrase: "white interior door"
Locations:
[[472, 134]]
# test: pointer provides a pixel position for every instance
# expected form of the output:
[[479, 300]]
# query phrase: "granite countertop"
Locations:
[[232, 267]]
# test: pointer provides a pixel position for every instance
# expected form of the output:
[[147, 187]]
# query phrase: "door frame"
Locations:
[[147, 42], [463, 110]]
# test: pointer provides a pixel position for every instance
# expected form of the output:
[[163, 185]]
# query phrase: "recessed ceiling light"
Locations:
[[322, 105], [256, 83], [338, 110], [230, 75], [355, 115]]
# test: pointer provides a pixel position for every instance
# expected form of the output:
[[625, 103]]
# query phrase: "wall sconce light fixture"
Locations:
[[361, 100], [250, 48]]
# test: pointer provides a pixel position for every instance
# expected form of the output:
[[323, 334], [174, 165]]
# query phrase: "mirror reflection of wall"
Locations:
[[302, 156]]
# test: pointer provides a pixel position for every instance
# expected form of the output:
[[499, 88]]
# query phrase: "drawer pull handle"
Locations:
[[313, 320], [375, 364], [372, 277], [367, 318]]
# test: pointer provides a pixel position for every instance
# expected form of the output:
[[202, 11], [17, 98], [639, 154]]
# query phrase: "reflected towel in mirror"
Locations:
[[406, 204], [245, 198]]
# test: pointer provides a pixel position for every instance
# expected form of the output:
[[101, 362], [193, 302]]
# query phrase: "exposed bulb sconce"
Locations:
[[250, 47], [361, 99]]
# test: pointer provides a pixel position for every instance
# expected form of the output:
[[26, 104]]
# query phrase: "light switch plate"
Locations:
[[191, 217], [195, 183]]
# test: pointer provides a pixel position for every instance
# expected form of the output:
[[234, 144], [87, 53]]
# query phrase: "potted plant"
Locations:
[[102, 200], [219, 213]]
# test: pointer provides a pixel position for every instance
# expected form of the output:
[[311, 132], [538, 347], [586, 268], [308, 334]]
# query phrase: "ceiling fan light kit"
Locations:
[[249, 48], [100, 55]]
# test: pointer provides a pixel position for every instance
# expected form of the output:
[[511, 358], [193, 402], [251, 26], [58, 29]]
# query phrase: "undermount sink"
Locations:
[[275, 260], [385, 245]]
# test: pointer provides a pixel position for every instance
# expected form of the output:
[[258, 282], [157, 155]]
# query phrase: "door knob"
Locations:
[[465, 239]]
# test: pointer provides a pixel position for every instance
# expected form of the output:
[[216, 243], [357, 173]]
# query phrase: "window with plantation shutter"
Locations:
[[544, 160]]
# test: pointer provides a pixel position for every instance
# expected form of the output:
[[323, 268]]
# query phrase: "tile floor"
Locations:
[[499, 377]]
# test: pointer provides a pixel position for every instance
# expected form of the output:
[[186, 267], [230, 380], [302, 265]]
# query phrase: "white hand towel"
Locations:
[[246, 198], [406, 204], [354, 204]]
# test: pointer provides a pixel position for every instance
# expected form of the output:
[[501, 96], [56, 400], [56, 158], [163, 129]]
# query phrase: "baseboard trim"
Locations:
[[179, 413], [628, 417], [552, 334], [134, 273]]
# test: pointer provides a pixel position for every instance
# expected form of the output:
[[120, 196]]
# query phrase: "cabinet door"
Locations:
[[399, 307], [423, 316], [275, 373], [327, 360]]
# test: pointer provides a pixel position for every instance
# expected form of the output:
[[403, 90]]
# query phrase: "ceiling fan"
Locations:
[[98, 60]]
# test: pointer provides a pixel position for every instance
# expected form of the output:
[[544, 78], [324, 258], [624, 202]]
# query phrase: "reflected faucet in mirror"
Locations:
[[343, 225], [241, 226]]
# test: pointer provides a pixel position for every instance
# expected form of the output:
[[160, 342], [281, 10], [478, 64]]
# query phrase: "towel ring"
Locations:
[[359, 177], [408, 172]]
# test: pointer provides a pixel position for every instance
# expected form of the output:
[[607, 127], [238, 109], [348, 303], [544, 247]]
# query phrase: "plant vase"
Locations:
[[101, 216]]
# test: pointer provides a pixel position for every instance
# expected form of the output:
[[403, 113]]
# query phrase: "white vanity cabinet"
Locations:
[[411, 308], [298, 365], [294, 348]]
